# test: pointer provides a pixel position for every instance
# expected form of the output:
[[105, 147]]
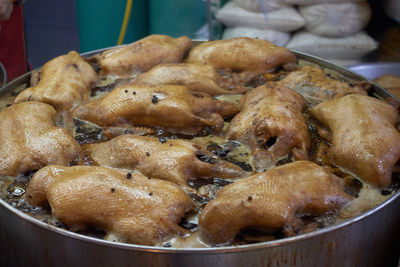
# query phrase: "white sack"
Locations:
[[310, 2], [351, 47], [285, 19], [275, 37], [336, 20], [259, 5]]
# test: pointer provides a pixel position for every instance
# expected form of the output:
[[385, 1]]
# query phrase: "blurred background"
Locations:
[[54, 27], [344, 31]]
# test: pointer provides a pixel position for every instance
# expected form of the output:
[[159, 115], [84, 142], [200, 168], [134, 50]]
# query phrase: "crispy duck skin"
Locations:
[[316, 86], [241, 54], [135, 208], [172, 107], [29, 139], [196, 77], [272, 200], [142, 55], [172, 160], [65, 83], [365, 140], [272, 124]]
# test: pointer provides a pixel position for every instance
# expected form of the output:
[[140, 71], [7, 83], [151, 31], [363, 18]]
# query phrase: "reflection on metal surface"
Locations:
[[375, 69]]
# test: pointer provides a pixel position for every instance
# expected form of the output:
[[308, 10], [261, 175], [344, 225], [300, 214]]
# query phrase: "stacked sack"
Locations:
[[330, 29], [333, 29], [271, 20]]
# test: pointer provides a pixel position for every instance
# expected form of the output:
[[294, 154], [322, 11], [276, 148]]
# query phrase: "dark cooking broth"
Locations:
[[12, 189]]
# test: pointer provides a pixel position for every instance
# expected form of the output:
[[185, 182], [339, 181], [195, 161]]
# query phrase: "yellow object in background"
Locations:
[[125, 22], [101, 22]]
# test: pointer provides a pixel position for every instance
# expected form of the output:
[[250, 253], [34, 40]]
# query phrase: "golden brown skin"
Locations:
[[388, 81], [29, 139], [172, 107], [137, 209], [391, 83], [272, 124], [196, 77], [65, 82], [142, 55], [272, 200], [365, 140], [316, 86], [241, 54], [114, 131], [172, 160]]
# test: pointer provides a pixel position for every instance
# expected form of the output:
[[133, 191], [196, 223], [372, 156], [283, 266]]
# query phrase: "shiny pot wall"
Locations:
[[370, 239]]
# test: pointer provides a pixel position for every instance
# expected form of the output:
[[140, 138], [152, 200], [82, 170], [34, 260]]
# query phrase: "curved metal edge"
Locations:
[[199, 251], [3, 75], [378, 69], [9, 87], [211, 250]]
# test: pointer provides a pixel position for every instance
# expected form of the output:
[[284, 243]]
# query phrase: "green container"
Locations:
[[177, 17], [100, 22]]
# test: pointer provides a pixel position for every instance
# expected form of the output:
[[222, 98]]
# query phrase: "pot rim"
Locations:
[[373, 70], [207, 250], [380, 92], [3, 76]]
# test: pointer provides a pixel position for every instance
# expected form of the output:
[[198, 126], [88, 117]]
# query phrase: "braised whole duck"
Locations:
[[225, 143]]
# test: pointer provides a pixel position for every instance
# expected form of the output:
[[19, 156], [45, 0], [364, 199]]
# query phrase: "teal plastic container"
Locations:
[[177, 17], [100, 21]]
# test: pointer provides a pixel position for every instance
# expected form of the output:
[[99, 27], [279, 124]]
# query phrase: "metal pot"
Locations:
[[370, 239], [373, 70]]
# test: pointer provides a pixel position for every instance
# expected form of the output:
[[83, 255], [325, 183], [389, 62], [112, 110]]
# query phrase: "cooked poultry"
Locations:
[[29, 139], [272, 200], [365, 140], [196, 77], [142, 55], [271, 123], [172, 107], [65, 82], [388, 81], [241, 54], [113, 131], [137, 209], [172, 160], [391, 83], [315, 85]]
